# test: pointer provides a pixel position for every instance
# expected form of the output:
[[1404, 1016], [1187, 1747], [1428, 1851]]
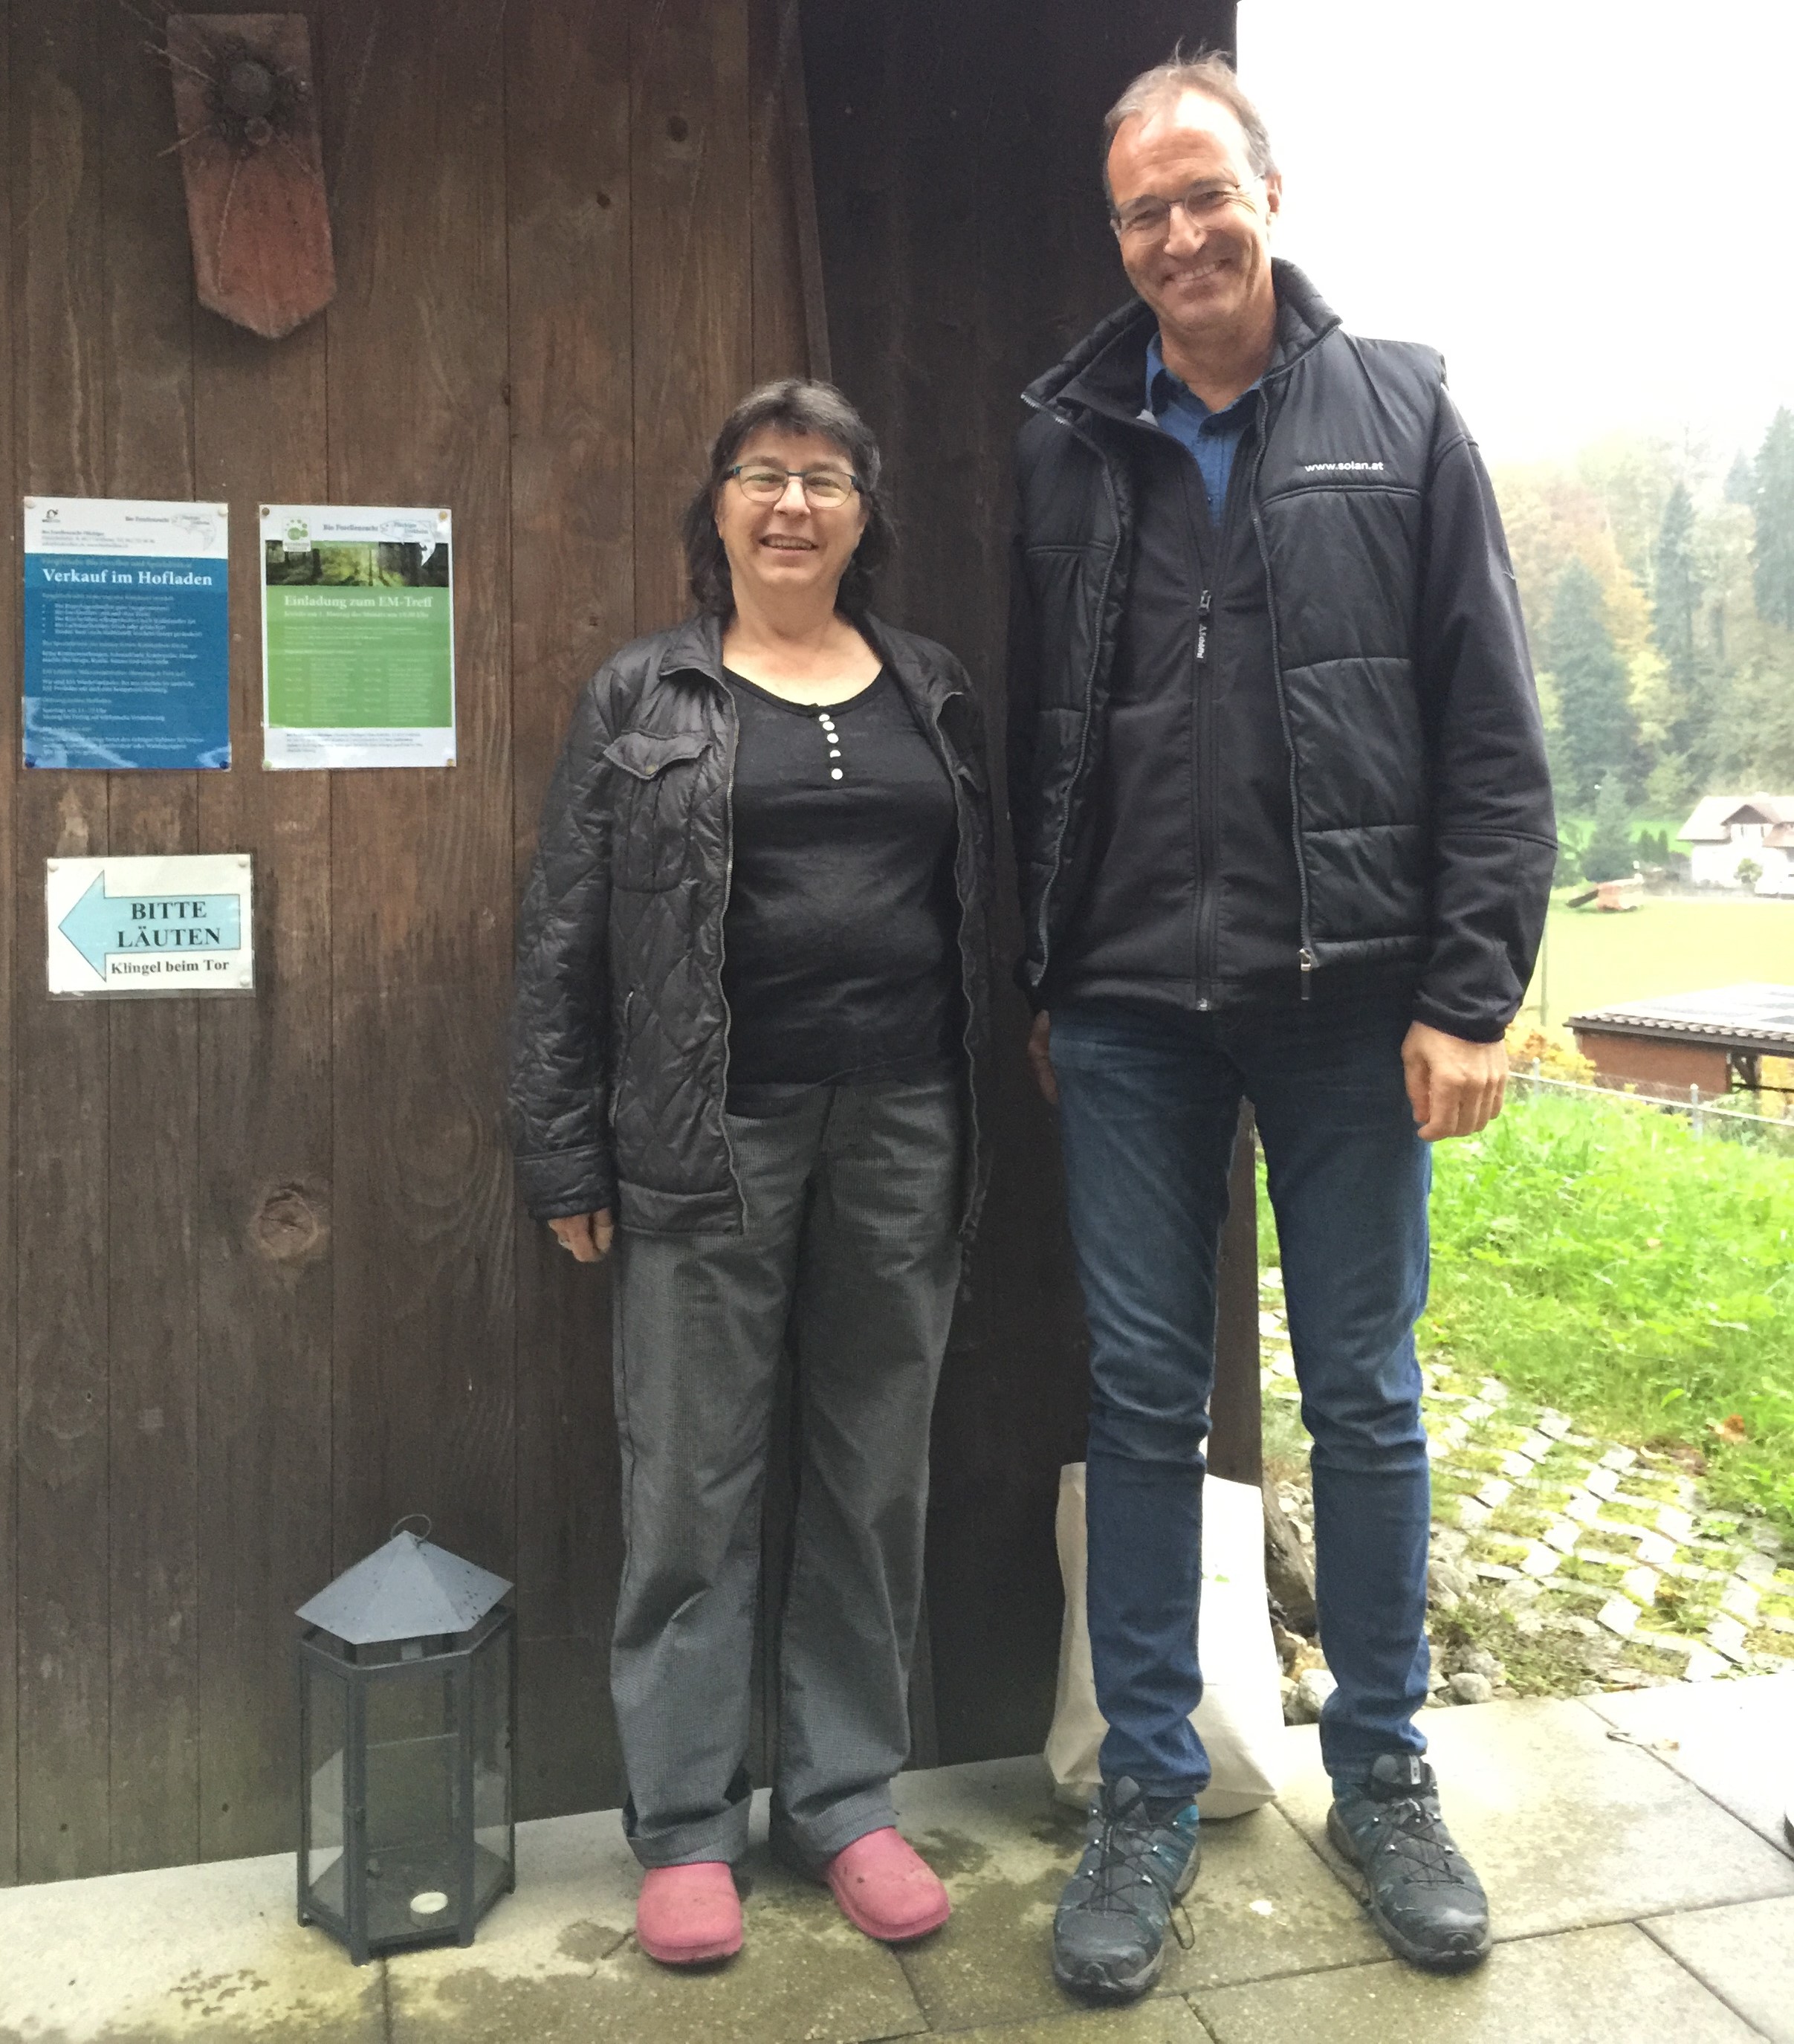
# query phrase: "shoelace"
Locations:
[[1123, 1854], [1413, 1833]]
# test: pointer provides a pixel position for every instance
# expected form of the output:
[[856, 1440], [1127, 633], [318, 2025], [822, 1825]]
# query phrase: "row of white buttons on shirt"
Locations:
[[834, 738]]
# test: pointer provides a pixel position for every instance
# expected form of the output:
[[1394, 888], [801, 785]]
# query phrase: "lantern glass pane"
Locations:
[[326, 1728], [413, 1744], [492, 1766]]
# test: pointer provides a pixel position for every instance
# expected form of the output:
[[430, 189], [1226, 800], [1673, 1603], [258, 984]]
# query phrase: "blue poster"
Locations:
[[127, 633]]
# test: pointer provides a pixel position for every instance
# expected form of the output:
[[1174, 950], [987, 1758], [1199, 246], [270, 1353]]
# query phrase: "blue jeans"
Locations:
[[1149, 1102]]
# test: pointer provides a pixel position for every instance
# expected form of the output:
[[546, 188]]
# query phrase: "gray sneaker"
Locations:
[[1423, 1895], [1108, 1935]]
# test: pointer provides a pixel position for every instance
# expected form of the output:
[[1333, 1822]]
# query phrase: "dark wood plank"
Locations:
[[60, 1077], [691, 218], [782, 338], [10, 770], [264, 1225], [421, 859], [572, 603], [153, 1186], [1236, 1445], [964, 247], [264, 1219]]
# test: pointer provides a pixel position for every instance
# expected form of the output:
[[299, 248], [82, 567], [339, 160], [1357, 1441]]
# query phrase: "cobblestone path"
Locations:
[[1608, 1557]]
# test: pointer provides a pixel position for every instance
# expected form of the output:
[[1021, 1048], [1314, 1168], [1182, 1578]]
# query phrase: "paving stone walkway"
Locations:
[[1612, 1556], [1633, 1846]]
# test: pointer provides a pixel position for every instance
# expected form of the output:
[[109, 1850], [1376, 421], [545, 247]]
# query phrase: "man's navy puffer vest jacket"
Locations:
[[1419, 798]]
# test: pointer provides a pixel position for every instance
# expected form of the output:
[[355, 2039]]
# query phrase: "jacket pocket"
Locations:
[[656, 791]]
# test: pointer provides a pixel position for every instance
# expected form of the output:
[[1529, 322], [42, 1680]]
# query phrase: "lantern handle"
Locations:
[[399, 1525]]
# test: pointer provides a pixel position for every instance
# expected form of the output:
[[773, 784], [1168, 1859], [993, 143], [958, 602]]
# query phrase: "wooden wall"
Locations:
[[265, 1286], [964, 246]]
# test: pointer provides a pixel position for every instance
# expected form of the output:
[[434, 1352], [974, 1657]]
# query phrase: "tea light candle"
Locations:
[[427, 1908]]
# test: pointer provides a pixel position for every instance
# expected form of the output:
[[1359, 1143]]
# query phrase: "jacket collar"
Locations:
[[1106, 371], [695, 646]]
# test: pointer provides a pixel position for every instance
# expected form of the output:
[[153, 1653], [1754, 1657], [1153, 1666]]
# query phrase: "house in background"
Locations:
[[1720, 1041], [1726, 830]]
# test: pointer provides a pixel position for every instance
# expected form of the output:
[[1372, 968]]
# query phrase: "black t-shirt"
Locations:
[[840, 939]]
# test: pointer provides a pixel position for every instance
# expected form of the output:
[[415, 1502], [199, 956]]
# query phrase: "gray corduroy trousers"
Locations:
[[851, 1254]]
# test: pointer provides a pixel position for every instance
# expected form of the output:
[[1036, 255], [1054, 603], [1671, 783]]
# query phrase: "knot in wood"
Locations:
[[249, 92], [287, 1229]]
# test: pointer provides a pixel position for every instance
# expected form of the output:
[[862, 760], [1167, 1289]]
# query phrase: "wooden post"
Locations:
[[1235, 1445]]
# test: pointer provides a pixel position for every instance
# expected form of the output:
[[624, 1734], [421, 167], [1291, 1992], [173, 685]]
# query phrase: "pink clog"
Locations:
[[686, 1914], [885, 1890]]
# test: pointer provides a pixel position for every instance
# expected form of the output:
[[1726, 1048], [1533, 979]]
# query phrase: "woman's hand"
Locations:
[[587, 1235]]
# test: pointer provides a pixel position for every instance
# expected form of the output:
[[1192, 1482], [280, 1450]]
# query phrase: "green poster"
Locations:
[[357, 636]]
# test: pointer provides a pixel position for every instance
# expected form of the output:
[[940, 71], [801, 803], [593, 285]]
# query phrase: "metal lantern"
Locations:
[[407, 1695]]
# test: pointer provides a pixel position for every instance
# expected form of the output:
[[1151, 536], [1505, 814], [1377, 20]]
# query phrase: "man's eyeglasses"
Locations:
[[1150, 219], [762, 483]]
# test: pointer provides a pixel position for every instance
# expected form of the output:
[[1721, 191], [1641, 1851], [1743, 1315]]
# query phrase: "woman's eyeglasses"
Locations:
[[762, 483]]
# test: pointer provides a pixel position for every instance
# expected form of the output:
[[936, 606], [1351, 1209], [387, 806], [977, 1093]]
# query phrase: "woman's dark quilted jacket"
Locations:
[[619, 1033]]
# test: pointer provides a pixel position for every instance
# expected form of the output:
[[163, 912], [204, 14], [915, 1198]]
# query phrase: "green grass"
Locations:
[[1601, 1259], [1592, 959], [1604, 1259]]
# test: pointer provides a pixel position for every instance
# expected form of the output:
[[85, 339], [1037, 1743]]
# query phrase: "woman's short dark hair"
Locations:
[[793, 405]]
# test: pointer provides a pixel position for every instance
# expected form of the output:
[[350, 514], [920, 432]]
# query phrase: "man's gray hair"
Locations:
[[1207, 72]]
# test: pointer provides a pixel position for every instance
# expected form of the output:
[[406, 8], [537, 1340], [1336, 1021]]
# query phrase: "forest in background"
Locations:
[[1658, 588]]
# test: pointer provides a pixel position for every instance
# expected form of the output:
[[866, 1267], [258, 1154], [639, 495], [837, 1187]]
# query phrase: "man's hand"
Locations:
[[587, 1235], [1453, 1087], [1040, 1057]]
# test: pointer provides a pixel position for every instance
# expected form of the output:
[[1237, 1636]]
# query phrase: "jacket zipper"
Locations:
[[1304, 955], [732, 740], [1207, 848]]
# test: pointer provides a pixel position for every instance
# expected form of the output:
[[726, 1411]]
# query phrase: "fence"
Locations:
[[1702, 1110]]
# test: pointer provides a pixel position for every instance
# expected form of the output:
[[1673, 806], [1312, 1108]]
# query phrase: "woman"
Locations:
[[751, 992]]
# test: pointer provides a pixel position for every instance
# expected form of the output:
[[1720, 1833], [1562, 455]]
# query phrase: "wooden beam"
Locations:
[[152, 1188], [1236, 1444], [61, 1082], [424, 1329], [10, 572], [265, 1235], [568, 197]]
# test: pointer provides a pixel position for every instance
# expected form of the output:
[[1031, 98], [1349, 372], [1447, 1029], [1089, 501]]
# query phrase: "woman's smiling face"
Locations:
[[792, 545]]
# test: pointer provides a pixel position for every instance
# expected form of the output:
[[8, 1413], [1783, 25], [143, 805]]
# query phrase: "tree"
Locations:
[[1674, 602], [1599, 735], [1772, 551], [1741, 480], [1609, 856], [1753, 727], [1748, 873]]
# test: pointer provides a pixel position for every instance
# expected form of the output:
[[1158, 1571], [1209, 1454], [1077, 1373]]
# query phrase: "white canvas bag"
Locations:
[[1240, 1718]]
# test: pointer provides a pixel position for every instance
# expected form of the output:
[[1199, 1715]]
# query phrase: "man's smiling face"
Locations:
[[1202, 277]]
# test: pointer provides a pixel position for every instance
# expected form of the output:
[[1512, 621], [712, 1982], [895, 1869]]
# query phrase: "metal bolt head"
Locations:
[[248, 89]]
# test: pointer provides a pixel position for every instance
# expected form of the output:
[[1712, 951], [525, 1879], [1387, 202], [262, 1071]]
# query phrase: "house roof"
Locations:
[[1714, 813], [1753, 1016]]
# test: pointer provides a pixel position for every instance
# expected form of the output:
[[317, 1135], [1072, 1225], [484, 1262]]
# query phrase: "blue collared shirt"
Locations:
[[1212, 437]]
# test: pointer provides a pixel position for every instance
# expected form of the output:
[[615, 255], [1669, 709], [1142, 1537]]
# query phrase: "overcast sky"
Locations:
[[1587, 204]]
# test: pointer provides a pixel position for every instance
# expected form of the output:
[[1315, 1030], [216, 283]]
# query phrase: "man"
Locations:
[[1284, 832]]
